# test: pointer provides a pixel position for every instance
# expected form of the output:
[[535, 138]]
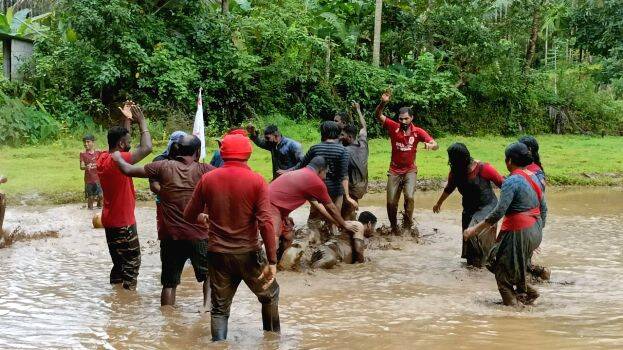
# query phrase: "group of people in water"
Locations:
[[234, 226]]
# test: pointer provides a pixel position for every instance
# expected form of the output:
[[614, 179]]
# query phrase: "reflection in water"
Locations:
[[56, 292]]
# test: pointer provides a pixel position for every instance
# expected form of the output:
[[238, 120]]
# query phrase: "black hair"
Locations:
[[88, 137], [519, 154], [271, 130], [188, 146], [351, 130], [318, 163], [533, 146], [115, 134], [343, 117], [329, 130], [407, 110], [459, 160], [367, 217]]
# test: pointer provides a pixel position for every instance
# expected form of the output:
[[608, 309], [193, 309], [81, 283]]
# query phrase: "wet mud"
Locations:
[[409, 294]]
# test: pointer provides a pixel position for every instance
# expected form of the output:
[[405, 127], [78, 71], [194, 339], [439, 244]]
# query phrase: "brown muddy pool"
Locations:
[[55, 291]]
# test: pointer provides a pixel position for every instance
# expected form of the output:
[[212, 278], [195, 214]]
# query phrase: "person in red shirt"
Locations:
[[119, 199], [402, 175], [88, 159], [474, 180], [293, 189], [234, 201], [179, 239]]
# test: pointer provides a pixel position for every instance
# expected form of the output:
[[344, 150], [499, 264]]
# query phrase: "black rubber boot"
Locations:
[[218, 327], [270, 317]]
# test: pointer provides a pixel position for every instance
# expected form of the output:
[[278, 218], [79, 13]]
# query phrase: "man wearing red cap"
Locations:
[[234, 201]]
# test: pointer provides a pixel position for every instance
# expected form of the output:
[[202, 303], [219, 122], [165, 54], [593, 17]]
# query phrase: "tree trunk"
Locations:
[[534, 35], [376, 47], [327, 59], [225, 6], [546, 44]]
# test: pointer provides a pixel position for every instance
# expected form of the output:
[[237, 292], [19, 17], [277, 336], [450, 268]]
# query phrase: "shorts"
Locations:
[[92, 190], [173, 255]]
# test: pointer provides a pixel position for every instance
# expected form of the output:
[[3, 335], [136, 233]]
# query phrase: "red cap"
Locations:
[[236, 147]]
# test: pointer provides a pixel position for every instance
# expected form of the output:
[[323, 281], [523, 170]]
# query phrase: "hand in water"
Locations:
[[268, 275], [436, 208]]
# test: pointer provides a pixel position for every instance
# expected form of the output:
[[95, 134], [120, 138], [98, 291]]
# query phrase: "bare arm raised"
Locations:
[[378, 113]]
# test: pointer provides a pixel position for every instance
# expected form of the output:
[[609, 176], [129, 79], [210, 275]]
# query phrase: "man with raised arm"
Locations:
[[356, 143], [179, 239], [234, 201], [402, 175], [119, 197]]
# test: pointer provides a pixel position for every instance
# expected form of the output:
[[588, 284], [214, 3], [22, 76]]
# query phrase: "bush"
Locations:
[[21, 124]]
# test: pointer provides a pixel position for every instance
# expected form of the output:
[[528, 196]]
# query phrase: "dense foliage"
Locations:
[[466, 67]]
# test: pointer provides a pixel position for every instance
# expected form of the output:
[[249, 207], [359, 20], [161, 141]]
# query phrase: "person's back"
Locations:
[[178, 179], [234, 194], [293, 189], [119, 195], [336, 157]]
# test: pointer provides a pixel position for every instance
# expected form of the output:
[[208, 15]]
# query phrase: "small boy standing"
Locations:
[[88, 158]]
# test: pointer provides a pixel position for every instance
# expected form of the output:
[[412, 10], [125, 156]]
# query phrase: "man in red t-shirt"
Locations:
[[88, 159], [119, 201], [234, 201], [402, 175], [179, 239], [293, 189]]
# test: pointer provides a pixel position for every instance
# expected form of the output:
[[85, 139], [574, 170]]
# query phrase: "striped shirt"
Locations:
[[336, 157]]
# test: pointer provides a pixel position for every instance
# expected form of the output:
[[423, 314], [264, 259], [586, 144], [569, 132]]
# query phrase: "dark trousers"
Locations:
[[226, 273], [125, 252]]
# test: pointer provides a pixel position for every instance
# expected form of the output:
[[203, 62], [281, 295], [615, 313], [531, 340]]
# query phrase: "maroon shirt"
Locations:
[[178, 179], [89, 160], [236, 201], [292, 189], [404, 146]]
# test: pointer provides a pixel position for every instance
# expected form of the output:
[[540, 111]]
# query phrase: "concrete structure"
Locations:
[[16, 51]]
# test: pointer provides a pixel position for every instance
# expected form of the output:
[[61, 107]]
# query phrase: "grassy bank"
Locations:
[[51, 173]]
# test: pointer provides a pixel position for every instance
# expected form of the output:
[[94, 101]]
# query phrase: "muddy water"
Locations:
[[56, 294]]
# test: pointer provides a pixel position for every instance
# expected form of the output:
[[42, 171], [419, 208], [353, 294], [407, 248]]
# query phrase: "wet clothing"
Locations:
[[360, 230], [90, 173], [92, 190], [316, 220], [125, 251], [118, 190], [175, 253], [178, 179], [397, 183], [509, 258], [478, 201], [336, 157], [294, 188], [226, 272], [157, 159], [285, 155], [404, 146], [217, 161], [358, 166], [540, 174], [237, 202]]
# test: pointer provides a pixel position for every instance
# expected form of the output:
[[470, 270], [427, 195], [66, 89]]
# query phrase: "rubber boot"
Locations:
[[270, 317], [218, 326]]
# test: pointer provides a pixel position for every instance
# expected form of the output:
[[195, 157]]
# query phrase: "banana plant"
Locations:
[[20, 25]]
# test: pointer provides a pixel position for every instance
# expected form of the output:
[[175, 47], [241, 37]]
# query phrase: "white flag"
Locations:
[[198, 126]]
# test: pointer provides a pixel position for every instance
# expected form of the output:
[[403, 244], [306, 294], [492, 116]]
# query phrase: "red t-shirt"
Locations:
[[404, 146], [89, 160], [533, 167], [119, 196], [291, 190]]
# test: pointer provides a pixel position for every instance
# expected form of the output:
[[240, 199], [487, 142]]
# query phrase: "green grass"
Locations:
[[51, 173]]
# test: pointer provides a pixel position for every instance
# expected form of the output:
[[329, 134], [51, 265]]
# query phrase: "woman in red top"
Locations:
[[474, 180]]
